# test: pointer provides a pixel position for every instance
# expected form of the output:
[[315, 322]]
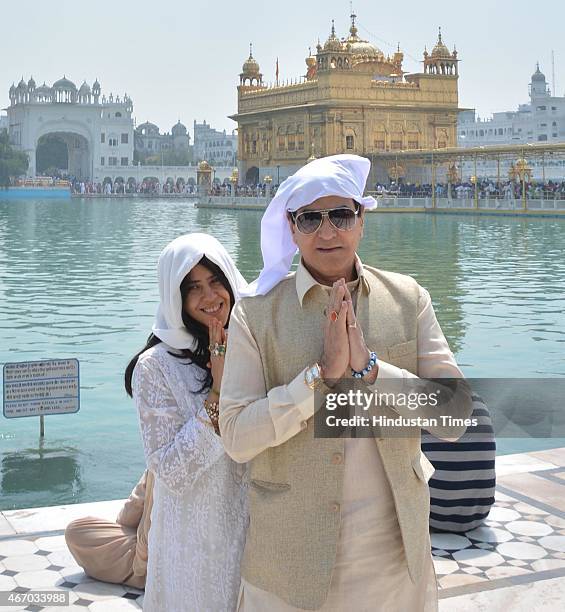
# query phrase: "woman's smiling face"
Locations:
[[206, 297]]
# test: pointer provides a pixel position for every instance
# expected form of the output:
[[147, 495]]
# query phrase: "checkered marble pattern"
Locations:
[[522, 542], [517, 539], [44, 563]]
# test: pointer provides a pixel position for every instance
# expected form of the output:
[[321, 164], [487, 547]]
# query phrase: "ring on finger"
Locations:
[[218, 350]]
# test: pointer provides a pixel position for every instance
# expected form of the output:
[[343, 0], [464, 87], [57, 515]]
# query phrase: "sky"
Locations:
[[180, 59]]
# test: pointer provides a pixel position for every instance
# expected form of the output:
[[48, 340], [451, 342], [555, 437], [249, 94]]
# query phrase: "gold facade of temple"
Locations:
[[353, 99]]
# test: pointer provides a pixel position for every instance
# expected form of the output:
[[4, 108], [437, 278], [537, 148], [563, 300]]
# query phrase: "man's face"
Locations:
[[329, 253]]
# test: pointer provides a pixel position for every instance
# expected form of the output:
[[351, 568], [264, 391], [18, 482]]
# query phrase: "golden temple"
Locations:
[[352, 99]]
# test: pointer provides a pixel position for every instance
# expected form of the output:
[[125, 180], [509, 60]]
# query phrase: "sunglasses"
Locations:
[[310, 221]]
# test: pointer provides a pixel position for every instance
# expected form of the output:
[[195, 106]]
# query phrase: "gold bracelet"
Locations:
[[213, 412]]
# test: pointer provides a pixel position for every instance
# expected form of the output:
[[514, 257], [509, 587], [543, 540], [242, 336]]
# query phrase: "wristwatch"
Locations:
[[313, 376]]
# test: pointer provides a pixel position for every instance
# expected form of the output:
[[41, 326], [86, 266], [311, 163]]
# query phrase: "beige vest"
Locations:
[[296, 488]]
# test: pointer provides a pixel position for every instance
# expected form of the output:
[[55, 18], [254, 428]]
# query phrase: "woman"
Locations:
[[199, 514]]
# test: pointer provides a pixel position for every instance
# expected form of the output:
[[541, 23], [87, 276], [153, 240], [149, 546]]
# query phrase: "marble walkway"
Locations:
[[515, 562]]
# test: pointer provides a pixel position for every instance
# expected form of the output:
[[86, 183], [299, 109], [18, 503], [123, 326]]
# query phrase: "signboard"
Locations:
[[38, 388]]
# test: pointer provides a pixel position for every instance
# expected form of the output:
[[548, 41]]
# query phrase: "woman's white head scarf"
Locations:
[[337, 175], [176, 260]]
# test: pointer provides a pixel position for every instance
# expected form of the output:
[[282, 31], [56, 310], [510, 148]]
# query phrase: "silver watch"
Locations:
[[313, 376]]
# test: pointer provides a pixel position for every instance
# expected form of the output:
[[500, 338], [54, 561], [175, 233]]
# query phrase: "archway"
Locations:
[[51, 156], [252, 176], [64, 154]]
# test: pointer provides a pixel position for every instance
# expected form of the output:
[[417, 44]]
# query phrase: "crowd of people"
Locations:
[[487, 189], [147, 186], [259, 190]]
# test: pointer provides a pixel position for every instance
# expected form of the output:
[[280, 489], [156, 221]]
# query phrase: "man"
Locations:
[[335, 524]]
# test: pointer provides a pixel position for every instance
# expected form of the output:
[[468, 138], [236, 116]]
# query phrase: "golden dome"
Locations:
[[310, 61], [250, 66], [204, 166], [364, 47], [358, 46], [440, 50]]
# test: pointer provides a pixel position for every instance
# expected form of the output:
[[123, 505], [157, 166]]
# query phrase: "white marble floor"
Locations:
[[515, 561]]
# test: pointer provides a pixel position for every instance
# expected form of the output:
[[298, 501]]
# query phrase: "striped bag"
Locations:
[[462, 487]]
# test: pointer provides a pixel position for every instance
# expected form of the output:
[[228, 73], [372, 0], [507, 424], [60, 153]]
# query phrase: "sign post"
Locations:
[[38, 388]]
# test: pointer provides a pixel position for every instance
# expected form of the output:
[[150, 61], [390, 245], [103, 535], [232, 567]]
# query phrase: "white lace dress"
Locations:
[[199, 515]]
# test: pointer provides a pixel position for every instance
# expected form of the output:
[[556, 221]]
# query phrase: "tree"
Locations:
[[12, 163], [52, 155]]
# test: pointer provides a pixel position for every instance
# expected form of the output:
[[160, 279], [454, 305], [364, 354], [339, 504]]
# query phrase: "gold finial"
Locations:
[[439, 36], [333, 28], [353, 29], [250, 50]]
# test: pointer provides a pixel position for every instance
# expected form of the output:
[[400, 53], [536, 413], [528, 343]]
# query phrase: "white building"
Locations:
[[540, 120], [150, 141], [213, 146], [97, 130], [3, 122]]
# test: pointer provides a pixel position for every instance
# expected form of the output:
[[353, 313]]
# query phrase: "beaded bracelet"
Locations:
[[372, 363]]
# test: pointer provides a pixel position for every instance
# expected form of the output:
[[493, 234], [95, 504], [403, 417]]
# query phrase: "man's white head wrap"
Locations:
[[176, 260], [336, 175]]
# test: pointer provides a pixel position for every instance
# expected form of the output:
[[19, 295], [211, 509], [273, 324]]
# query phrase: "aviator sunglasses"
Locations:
[[310, 221]]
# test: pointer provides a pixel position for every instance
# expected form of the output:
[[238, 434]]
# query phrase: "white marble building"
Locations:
[[150, 141], [97, 130], [540, 120], [217, 148]]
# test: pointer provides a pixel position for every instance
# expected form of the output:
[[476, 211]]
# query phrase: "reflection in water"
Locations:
[[42, 474], [78, 279], [427, 248]]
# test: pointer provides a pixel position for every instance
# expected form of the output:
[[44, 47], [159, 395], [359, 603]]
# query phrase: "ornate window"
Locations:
[[349, 142]]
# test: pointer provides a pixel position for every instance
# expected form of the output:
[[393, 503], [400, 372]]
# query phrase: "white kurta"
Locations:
[[199, 515]]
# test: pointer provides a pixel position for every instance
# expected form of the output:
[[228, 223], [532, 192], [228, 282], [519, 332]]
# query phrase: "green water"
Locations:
[[78, 279]]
